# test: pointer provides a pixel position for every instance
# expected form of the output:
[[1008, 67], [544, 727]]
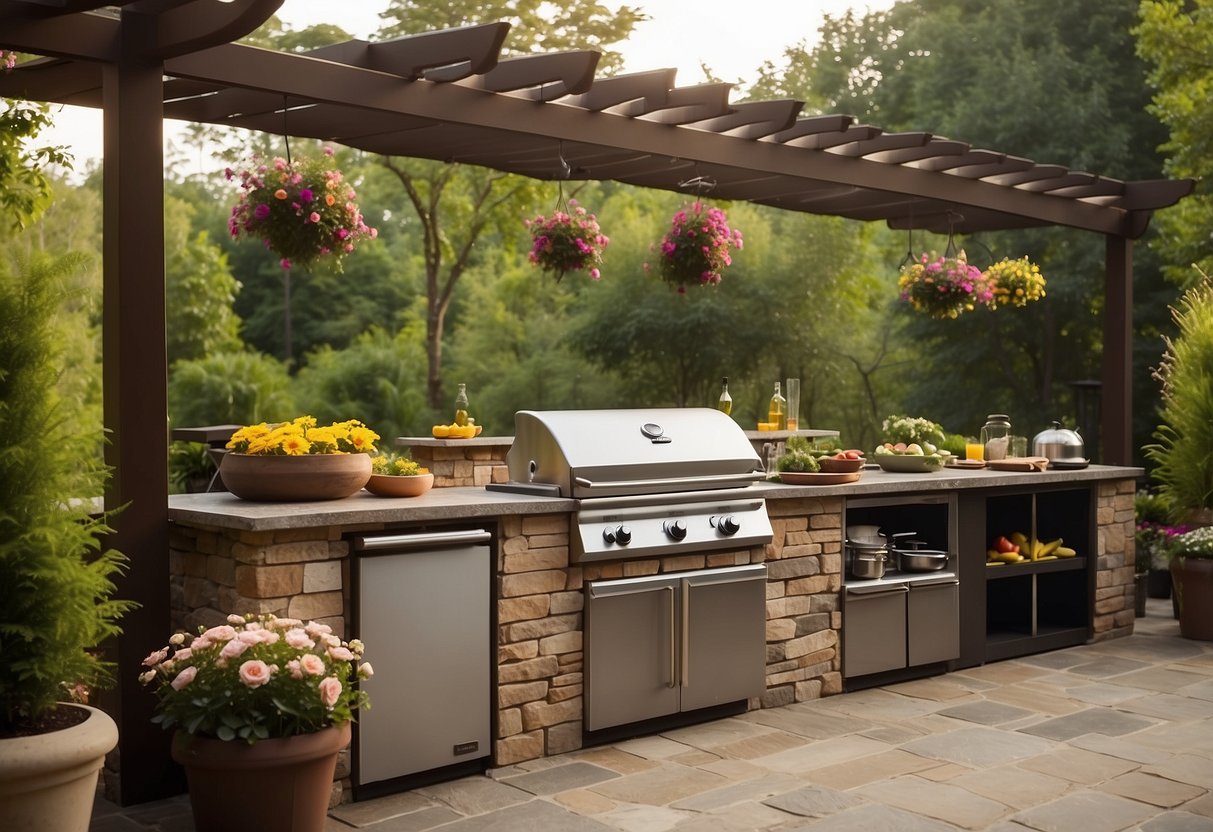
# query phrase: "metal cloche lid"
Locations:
[[1057, 435]]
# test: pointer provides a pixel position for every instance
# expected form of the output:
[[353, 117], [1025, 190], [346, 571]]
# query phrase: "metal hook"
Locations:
[[699, 183], [286, 136], [909, 258]]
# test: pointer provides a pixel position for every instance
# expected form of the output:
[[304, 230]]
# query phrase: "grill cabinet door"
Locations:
[[874, 630], [934, 622], [723, 636], [631, 663]]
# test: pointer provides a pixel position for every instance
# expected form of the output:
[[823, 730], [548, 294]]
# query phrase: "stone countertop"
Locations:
[[223, 510]]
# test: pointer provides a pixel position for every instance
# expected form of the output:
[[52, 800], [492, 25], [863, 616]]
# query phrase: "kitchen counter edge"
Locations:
[[223, 510]]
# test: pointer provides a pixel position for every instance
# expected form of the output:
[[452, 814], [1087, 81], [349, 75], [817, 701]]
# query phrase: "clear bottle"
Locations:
[[777, 414], [725, 405], [461, 406], [996, 436]]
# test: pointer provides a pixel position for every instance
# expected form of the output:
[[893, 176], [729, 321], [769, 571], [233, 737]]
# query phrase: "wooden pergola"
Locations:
[[450, 95]]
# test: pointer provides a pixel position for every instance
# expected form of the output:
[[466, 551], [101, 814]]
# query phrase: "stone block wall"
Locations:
[[474, 465], [1116, 552], [540, 695]]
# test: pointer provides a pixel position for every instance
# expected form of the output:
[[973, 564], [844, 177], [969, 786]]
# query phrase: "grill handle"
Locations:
[[680, 482]]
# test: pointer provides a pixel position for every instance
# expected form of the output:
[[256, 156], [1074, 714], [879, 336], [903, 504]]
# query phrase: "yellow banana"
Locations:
[[992, 554], [1064, 552], [1008, 557], [1021, 540], [1051, 547], [1046, 557]]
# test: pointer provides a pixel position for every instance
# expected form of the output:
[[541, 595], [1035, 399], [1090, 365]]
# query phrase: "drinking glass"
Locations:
[[793, 395], [974, 449], [1019, 446]]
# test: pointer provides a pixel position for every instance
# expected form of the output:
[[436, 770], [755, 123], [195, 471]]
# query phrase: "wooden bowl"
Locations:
[[386, 485], [830, 465]]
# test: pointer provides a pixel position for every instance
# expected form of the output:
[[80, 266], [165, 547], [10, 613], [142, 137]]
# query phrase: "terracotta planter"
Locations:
[[295, 478], [48, 781], [1193, 579], [275, 785], [384, 485]]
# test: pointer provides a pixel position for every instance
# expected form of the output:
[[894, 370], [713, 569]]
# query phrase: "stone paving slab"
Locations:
[[1163, 680], [985, 712], [813, 723], [1091, 721], [1086, 811], [373, 811], [979, 747], [1186, 768], [1177, 822], [1105, 667], [535, 815], [1169, 706], [1152, 789], [744, 791], [942, 801], [561, 778], [747, 817], [419, 821], [1127, 748], [872, 817], [813, 801], [1079, 766], [658, 786], [645, 818], [1100, 693], [1016, 787], [474, 795], [820, 754], [868, 769]]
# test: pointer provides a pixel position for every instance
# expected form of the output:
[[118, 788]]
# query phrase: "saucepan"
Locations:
[[867, 560]]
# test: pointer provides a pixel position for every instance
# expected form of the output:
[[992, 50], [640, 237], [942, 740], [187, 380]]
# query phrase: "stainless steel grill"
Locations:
[[650, 482]]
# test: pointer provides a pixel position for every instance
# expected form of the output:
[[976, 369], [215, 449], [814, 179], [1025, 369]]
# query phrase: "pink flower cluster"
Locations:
[[567, 241], [696, 248], [256, 677], [303, 211], [8, 59], [943, 287]]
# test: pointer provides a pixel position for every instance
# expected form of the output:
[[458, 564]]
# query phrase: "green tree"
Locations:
[[1177, 40], [457, 205], [200, 289], [233, 388], [25, 184]]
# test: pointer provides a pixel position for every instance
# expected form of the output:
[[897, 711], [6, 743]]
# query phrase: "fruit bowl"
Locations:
[[908, 463]]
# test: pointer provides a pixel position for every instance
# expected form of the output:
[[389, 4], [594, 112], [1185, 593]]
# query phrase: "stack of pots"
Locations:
[[866, 552]]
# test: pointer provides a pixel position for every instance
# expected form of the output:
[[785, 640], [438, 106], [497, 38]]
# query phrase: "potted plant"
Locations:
[[1183, 453], [298, 460], [56, 578], [1192, 575], [695, 250], [261, 706], [1153, 538], [943, 287], [567, 241], [303, 211], [1014, 282], [397, 475]]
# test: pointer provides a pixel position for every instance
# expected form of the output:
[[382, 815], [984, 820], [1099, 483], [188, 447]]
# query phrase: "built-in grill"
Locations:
[[650, 482]]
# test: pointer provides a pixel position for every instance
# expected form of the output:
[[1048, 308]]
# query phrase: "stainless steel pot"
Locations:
[[920, 560], [1058, 443], [867, 560]]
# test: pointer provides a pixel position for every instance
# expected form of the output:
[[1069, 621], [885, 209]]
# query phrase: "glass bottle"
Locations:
[[777, 415], [996, 436], [725, 405], [461, 405]]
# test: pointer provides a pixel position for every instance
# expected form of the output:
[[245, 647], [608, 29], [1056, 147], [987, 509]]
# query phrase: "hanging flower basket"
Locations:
[[1014, 282], [943, 287], [304, 211], [567, 241], [695, 250]]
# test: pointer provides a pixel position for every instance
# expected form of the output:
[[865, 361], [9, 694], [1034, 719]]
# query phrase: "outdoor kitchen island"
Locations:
[[299, 560]]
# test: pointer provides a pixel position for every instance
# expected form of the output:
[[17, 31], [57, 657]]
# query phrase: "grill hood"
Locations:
[[599, 453]]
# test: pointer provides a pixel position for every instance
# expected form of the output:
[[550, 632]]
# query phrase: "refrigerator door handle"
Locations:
[[427, 540]]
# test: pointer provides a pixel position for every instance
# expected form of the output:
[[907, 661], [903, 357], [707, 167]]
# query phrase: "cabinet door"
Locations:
[[630, 647], [874, 631], [723, 651], [933, 623]]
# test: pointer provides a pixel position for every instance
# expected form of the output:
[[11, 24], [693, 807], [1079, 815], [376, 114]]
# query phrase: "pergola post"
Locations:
[[135, 386], [1117, 405]]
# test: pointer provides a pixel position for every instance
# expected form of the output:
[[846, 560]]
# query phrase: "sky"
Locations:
[[733, 38]]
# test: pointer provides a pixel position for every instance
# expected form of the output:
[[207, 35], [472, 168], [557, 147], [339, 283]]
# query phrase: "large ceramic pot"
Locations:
[[48, 781], [275, 785], [1193, 579], [295, 478]]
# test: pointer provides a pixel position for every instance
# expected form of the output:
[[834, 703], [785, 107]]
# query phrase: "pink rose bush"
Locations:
[[257, 677], [304, 211], [695, 250]]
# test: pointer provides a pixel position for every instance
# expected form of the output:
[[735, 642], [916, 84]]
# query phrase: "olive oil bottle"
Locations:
[[777, 414], [461, 406], [725, 405]]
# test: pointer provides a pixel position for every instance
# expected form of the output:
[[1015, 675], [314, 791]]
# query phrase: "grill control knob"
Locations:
[[620, 534], [676, 529], [726, 525]]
